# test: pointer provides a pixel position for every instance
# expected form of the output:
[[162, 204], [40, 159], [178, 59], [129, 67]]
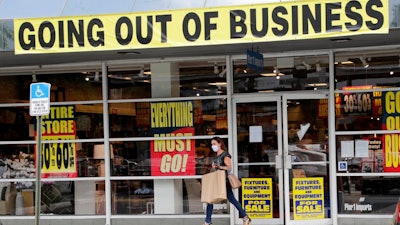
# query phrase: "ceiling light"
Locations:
[[318, 85], [346, 62], [266, 91], [391, 72], [119, 77], [364, 62], [217, 84], [274, 73], [216, 70]]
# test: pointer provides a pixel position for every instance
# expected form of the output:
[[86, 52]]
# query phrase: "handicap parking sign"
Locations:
[[39, 99]]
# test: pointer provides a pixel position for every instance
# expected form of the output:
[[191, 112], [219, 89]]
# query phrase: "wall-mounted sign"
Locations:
[[255, 61], [236, 24], [39, 99]]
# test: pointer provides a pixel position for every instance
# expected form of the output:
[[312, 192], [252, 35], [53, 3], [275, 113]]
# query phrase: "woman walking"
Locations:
[[223, 162]]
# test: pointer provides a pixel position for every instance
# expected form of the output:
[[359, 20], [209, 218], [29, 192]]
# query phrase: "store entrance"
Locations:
[[281, 144]]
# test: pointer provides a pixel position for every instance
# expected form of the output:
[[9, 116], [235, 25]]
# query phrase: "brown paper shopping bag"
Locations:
[[213, 187]]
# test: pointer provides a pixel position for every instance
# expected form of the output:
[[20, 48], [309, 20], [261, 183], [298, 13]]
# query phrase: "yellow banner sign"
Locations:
[[59, 159], [197, 27]]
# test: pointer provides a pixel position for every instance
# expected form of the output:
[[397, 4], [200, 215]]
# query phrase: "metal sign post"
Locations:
[[38, 185], [39, 106]]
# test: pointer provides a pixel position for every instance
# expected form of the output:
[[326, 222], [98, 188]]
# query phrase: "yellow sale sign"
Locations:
[[257, 197], [308, 198], [59, 159]]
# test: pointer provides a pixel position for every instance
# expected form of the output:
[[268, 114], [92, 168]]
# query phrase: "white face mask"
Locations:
[[215, 148]]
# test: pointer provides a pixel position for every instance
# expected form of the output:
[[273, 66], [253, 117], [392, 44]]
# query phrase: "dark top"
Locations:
[[219, 160]]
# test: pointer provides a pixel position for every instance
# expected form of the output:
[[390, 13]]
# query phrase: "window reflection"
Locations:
[[133, 119], [188, 79], [367, 68], [373, 195], [134, 159], [282, 74]]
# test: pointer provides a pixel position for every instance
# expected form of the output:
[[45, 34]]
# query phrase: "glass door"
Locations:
[[282, 158], [305, 154], [258, 133]]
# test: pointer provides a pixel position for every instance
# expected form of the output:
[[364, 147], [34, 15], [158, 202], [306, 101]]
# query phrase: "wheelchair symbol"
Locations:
[[39, 93], [342, 166]]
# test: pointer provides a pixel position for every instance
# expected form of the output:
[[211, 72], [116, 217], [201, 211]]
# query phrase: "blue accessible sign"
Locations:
[[39, 99], [255, 61]]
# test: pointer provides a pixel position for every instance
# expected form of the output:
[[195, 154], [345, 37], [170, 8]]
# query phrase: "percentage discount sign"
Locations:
[[58, 156]]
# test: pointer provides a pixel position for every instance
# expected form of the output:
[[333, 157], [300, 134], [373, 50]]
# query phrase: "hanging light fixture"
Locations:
[[317, 66], [216, 70], [141, 72], [96, 76], [223, 72], [34, 79], [276, 72], [364, 62], [308, 66]]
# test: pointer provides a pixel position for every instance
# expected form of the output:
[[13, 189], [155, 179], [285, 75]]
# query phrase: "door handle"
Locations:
[[278, 161], [288, 162]]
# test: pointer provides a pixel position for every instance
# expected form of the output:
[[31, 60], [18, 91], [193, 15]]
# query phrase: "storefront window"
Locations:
[[359, 110], [15, 124], [360, 153], [186, 79], [133, 119], [64, 87], [138, 197], [139, 158], [366, 86], [368, 195], [366, 70], [144, 138], [59, 198], [282, 74]]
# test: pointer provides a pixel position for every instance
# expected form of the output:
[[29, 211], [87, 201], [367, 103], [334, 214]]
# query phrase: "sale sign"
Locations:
[[359, 103], [59, 159], [257, 197], [174, 153], [391, 121], [308, 198]]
